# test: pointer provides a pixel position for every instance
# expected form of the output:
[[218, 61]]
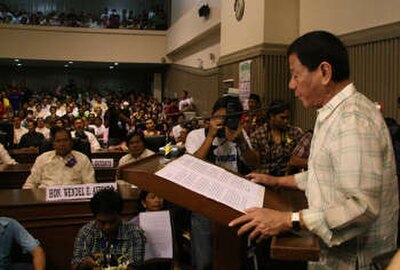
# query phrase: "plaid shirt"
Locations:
[[130, 242], [302, 149], [274, 157], [351, 183]]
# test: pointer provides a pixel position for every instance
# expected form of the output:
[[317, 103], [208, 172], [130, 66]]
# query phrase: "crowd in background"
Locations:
[[153, 19], [110, 117]]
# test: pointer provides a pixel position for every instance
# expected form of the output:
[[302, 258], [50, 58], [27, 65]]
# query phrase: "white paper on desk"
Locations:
[[157, 228], [214, 182]]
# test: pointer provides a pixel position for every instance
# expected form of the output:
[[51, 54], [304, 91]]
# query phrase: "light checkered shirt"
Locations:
[[351, 184]]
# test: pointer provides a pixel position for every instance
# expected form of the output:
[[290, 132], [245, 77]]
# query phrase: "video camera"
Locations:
[[234, 111]]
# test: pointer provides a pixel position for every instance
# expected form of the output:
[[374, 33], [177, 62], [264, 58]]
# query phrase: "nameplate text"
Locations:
[[75, 192]]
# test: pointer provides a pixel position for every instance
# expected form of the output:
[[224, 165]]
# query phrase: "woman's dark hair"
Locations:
[[136, 133], [255, 97], [142, 197], [106, 201], [277, 107], [316, 47]]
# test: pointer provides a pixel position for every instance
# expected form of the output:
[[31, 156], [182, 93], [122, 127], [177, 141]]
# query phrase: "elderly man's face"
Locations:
[[306, 84], [62, 143]]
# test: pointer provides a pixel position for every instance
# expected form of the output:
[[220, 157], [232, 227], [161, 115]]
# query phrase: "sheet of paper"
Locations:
[[157, 228], [213, 182]]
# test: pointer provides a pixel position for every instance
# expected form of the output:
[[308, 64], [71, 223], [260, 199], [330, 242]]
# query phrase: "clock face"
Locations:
[[239, 9]]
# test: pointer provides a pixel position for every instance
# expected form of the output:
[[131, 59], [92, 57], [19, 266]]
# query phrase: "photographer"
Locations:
[[226, 144]]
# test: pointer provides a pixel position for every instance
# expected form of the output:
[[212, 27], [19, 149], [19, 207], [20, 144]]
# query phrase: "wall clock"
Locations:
[[239, 9]]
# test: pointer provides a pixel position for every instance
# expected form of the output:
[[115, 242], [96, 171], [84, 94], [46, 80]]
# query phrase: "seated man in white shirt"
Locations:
[[176, 130], [41, 127], [19, 130], [79, 129], [61, 166]]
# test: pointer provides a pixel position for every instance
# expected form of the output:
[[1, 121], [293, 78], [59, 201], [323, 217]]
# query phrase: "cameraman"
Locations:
[[226, 144]]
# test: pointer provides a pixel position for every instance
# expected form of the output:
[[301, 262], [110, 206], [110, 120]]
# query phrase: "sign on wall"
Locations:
[[244, 82]]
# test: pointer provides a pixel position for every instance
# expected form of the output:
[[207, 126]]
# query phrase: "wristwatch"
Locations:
[[296, 221]]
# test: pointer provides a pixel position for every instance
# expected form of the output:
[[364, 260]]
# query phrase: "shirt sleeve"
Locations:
[[94, 143], [34, 179], [87, 171], [356, 153], [23, 237], [137, 246], [81, 246], [194, 141], [301, 180]]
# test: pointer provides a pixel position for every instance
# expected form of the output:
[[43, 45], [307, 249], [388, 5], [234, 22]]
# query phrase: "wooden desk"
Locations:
[[228, 247], [30, 155], [56, 224], [14, 176], [24, 155], [114, 154]]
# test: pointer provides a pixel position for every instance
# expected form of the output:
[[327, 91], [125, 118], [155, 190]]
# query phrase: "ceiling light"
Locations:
[[19, 64], [16, 60], [111, 67], [66, 65], [70, 62], [116, 64]]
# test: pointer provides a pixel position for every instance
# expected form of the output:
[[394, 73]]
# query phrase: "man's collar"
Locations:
[[340, 97]]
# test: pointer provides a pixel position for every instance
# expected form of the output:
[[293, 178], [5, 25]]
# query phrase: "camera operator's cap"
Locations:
[[234, 92]]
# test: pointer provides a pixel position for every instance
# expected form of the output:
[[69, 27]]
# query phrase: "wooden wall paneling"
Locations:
[[375, 72], [202, 85]]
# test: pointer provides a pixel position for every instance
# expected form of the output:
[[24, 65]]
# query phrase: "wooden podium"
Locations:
[[228, 250]]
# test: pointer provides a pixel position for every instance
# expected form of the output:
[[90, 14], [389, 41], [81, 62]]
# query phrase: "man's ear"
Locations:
[[326, 71]]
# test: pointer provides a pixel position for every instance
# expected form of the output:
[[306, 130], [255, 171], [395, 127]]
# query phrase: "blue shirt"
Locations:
[[11, 230]]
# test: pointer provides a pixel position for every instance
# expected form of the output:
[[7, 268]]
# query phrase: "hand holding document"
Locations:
[[213, 182]]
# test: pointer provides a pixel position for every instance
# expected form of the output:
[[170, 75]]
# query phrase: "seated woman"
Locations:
[[151, 202], [136, 148], [137, 151]]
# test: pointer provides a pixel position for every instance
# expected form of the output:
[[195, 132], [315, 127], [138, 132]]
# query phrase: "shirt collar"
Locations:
[[330, 107]]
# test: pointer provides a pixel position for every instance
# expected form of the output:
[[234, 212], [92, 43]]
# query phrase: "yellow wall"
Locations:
[[281, 21], [248, 32], [81, 44], [345, 16]]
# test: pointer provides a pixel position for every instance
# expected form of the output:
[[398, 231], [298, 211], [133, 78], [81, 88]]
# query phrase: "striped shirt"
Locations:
[[351, 184], [129, 242]]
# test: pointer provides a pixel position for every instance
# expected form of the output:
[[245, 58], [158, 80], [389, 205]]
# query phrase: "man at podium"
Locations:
[[351, 184]]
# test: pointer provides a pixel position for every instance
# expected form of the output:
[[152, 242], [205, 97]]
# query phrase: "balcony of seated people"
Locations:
[[86, 39]]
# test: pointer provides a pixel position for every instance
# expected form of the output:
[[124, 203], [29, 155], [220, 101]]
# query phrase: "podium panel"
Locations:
[[228, 251]]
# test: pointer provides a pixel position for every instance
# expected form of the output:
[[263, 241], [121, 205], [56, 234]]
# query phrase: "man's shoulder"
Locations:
[[46, 155], [261, 130], [5, 221], [80, 155], [88, 228], [130, 227], [198, 131]]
